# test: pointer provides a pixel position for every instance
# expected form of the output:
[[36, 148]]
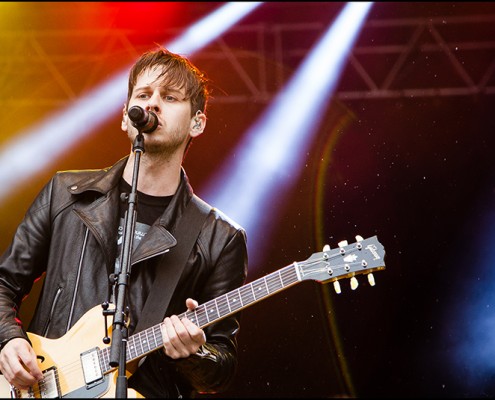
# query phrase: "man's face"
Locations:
[[171, 108]]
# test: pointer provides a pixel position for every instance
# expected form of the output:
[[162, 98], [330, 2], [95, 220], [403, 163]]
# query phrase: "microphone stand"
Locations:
[[119, 329]]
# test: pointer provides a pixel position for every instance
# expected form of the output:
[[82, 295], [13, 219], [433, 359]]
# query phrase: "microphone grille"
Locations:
[[136, 114]]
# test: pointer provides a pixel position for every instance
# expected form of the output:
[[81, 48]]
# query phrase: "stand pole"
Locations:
[[119, 331]]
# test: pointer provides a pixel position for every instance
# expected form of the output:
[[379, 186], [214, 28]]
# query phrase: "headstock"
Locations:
[[348, 260]]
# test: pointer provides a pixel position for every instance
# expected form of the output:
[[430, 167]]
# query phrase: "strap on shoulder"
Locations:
[[171, 267]]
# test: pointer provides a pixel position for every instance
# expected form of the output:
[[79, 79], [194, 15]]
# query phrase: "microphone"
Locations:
[[144, 121]]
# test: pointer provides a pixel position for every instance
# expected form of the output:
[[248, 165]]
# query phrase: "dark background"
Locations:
[[411, 163]]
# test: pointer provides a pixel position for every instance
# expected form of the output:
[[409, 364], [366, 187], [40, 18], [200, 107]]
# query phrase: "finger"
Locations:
[[30, 362], [23, 379], [170, 339], [195, 333], [182, 341], [191, 304]]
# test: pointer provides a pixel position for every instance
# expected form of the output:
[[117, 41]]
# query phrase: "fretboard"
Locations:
[[207, 313]]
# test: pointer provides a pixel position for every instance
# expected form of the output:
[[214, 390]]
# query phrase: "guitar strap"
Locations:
[[186, 233]]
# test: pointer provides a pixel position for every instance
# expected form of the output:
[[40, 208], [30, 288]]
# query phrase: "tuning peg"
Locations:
[[326, 248], [359, 238], [354, 283], [342, 244], [371, 279], [336, 286]]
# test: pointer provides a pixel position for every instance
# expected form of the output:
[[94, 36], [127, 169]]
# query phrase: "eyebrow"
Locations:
[[167, 89]]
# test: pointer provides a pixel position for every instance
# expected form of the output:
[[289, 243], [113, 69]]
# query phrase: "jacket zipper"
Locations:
[[52, 310], [76, 286]]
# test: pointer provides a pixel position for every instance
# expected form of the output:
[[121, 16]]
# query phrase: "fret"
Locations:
[[211, 310], [131, 346], [234, 300], [260, 289], [266, 285], [216, 308], [247, 294], [280, 278], [146, 342], [223, 305], [202, 315], [190, 315], [252, 290], [140, 342], [157, 336], [134, 346], [273, 283], [288, 275], [143, 341]]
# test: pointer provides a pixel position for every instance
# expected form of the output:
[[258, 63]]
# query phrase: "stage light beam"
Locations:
[[37, 147], [270, 157]]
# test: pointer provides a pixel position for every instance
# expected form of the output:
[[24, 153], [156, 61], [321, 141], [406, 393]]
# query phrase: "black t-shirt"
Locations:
[[149, 209]]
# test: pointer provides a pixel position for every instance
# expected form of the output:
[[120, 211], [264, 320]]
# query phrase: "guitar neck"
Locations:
[[243, 297], [205, 314]]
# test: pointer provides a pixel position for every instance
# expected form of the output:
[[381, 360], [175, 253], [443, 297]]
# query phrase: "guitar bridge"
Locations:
[[47, 388]]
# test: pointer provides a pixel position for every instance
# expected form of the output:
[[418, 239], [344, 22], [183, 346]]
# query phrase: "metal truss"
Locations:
[[392, 58], [452, 56]]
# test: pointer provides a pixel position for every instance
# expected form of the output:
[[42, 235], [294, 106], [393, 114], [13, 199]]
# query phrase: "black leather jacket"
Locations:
[[68, 236]]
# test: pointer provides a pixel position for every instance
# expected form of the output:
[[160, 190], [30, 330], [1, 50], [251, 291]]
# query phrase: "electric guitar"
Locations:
[[78, 365]]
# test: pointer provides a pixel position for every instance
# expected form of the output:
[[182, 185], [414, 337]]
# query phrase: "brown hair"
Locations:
[[180, 73]]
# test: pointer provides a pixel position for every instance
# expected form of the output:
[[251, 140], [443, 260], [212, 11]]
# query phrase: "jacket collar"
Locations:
[[104, 180], [101, 181]]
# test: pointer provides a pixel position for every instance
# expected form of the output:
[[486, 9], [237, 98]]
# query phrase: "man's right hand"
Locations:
[[19, 365]]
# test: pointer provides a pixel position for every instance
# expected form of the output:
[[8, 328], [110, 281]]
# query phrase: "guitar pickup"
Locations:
[[91, 366]]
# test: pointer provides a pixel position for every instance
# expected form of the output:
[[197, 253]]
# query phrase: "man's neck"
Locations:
[[157, 177]]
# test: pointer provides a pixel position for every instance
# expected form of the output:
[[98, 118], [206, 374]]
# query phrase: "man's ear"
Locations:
[[123, 125], [198, 123]]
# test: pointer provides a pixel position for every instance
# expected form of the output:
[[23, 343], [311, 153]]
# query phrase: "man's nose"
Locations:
[[154, 102]]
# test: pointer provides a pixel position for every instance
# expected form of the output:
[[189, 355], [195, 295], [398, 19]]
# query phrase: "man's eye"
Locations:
[[170, 98], [142, 96]]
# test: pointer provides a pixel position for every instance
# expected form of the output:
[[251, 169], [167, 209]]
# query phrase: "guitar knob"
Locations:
[[336, 286], [343, 243], [326, 248], [354, 283], [359, 238], [371, 279]]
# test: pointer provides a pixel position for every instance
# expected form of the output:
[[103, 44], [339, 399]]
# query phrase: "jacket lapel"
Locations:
[[102, 216]]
